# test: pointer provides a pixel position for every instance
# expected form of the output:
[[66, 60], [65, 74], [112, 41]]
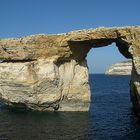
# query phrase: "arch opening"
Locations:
[[109, 93], [100, 59]]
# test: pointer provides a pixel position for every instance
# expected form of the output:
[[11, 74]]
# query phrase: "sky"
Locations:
[[26, 17]]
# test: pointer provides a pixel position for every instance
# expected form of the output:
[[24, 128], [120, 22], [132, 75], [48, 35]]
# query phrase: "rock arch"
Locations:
[[49, 72]]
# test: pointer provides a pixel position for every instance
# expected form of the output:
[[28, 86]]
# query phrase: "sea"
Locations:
[[111, 117]]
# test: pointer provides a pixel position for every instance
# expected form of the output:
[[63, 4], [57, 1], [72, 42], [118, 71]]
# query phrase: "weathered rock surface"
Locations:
[[44, 85], [122, 68], [49, 72]]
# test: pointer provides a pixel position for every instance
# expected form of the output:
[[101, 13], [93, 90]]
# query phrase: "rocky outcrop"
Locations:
[[44, 85], [122, 68], [49, 72]]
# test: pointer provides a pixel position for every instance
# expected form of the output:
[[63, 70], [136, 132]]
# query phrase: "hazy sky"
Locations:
[[26, 17]]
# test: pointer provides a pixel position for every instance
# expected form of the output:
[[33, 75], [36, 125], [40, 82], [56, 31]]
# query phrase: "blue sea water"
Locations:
[[110, 117]]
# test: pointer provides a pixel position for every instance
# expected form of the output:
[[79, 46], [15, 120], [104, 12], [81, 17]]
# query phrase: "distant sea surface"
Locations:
[[110, 117]]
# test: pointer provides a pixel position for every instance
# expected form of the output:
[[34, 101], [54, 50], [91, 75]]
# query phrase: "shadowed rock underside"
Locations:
[[49, 72]]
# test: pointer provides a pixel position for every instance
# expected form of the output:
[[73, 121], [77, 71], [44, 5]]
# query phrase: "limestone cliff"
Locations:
[[122, 68], [49, 72], [44, 85]]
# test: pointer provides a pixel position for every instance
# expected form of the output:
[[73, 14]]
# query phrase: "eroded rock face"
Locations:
[[122, 68], [43, 85], [49, 72]]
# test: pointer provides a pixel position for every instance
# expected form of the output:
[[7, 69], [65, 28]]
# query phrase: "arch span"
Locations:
[[49, 72]]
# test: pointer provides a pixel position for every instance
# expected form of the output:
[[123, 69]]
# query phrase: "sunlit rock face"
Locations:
[[49, 72], [44, 85], [122, 68]]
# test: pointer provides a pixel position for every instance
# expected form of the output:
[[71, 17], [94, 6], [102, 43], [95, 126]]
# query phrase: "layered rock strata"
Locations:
[[44, 85], [122, 68], [49, 72]]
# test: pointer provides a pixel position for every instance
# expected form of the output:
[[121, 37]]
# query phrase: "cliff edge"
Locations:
[[122, 68]]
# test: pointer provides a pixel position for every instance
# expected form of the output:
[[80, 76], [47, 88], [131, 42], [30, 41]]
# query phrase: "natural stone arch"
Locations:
[[49, 72]]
